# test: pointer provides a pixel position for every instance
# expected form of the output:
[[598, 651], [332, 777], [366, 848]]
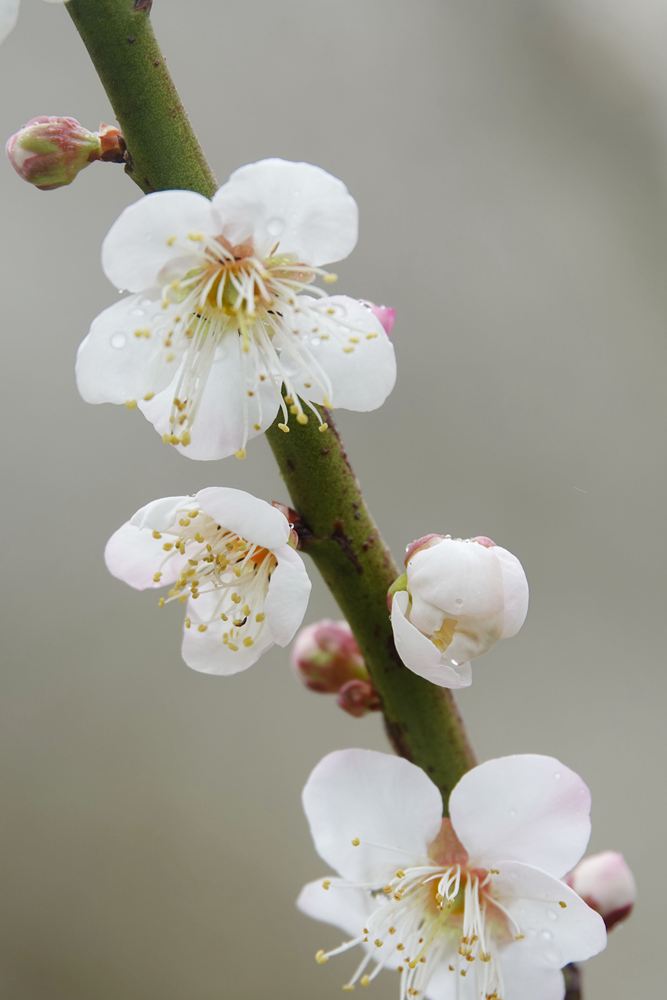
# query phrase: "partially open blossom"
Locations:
[[467, 908], [358, 698], [607, 884], [456, 598], [225, 327], [9, 12], [49, 151], [325, 655], [227, 556]]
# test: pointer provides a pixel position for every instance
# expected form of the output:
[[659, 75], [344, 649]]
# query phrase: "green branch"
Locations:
[[341, 537]]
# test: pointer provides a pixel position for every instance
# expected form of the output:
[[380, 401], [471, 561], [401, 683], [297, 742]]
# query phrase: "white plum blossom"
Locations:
[[456, 598], [225, 327], [606, 882], [227, 556], [467, 908], [9, 12]]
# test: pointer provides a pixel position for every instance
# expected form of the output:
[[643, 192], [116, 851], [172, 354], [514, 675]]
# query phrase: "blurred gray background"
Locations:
[[510, 164]]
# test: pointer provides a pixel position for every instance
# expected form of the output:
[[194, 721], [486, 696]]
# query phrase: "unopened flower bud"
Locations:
[[49, 152], [358, 698], [385, 314], [607, 884], [325, 655]]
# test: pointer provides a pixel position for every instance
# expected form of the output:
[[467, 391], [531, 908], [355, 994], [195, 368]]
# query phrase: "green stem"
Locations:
[[340, 536]]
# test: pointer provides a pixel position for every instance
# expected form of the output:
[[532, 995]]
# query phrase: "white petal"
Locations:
[[447, 985], [339, 905], [141, 241], [390, 805], [161, 514], [9, 12], [420, 655], [207, 653], [555, 935], [525, 980], [113, 365], [460, 577], [515, 591], [338, 372], [287, 597], [134, 556], [301, 207], [226, 415], [246, 515], [525, 808]]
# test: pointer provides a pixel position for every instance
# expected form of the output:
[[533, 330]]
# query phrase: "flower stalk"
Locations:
[[337, 529]]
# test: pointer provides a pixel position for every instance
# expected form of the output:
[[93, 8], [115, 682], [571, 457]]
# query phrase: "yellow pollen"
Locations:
[[248, 641], [241, 453], [321, 957], [302, 418], [562, 904], [323, 427], [157, 534], [326, 884], [356, 841], [157, 577], [131, 404], [202, 628], [284, 428]]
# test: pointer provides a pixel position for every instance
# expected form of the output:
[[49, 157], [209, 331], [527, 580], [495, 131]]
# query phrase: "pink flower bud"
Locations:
[[325, 655], [385, 314], [424, 542], [358, 698], [607, 884], [49, 152]]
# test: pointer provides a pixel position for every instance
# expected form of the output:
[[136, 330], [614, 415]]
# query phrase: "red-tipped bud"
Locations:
[[488, 543], [385, 314], [607, 884], [49, 152], [325, 655], [358, 698]]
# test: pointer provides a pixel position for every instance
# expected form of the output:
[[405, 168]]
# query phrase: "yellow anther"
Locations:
[[157, 577], [161, 603], [260, 617], [186, 438], [284, 428], [131, 404], [392, 930], [202, 628], [348, 988], [355, 841], [302, 418], [248, 641], [348, 350], [400, 873], [170, 241], [400, 947], [188, 623], [199, 537], [562, 904], [168, 546], [257, 427], [326, 884], [157, 534], [236, 598], [148, 397], [321, 957], [241, 453], [330, 279], [365, 981], [196, 237], [378, 943], [323, 427], [234, 649], [184, 522]]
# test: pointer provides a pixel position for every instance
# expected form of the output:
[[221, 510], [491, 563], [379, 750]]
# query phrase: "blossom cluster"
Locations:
[[223, 330]]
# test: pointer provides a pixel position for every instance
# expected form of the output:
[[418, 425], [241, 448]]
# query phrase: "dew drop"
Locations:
[[275, 226], [459, 602], [118, 340], [546, 935]]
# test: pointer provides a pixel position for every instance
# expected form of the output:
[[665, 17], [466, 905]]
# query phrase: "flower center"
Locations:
[[213, 560], [427, 916]]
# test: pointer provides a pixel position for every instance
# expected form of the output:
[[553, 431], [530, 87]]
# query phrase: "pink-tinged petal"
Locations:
[[206, 652], [385, 314], [298, 206], [526, 808], [515, 591], [287, 597], [246, 515], [605, 881], [387, 805], [525, 980], [153, 232], [347, 361], [226, 416], [9, 12], [340, 905], [420, 655], [559, 927], [460, 577], [134, 556], [122, 359]]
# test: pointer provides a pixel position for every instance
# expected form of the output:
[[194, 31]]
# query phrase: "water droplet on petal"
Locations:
[[275, 226], [118, 340], [546, 935]]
